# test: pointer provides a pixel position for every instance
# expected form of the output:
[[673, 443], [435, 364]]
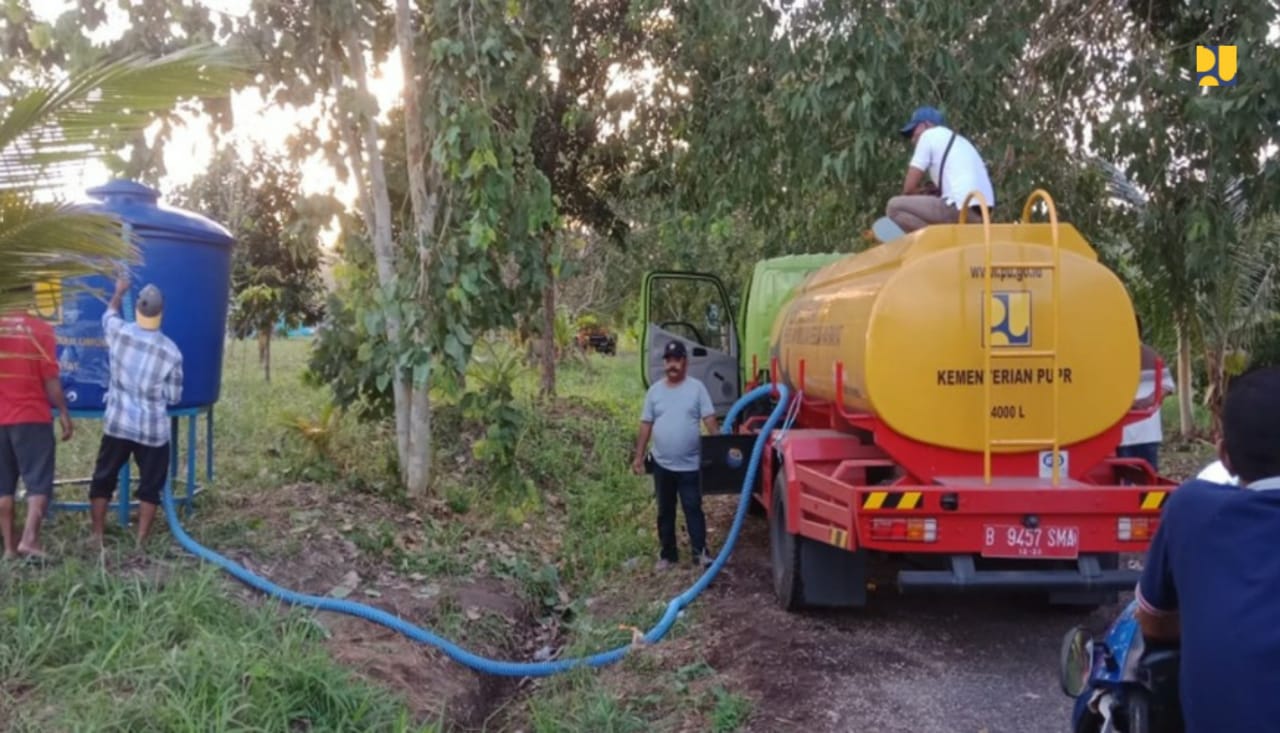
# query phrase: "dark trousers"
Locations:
[[114, 453], [668, 485], [1149, 451]]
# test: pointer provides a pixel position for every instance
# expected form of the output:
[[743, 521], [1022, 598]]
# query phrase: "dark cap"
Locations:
[[923, 114], [149, 306], [674, 349]]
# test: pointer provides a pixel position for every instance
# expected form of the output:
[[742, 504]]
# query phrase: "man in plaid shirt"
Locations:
[[146, 377]]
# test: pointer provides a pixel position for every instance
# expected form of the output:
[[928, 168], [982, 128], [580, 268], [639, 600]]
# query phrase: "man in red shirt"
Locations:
[[28, 384]]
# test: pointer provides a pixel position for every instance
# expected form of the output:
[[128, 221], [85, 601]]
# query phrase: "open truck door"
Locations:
[[692, 308]]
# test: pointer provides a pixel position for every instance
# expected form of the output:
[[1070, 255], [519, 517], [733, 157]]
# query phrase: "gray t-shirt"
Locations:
[[676, 412]]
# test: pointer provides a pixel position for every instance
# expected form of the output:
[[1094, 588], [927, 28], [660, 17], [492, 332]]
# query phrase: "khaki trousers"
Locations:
[[916, 212]]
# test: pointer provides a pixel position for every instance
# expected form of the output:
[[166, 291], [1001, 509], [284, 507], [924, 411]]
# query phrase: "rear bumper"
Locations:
[[1087, 576]]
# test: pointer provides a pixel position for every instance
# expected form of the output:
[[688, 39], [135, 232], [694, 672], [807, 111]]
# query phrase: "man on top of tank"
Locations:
[[146, 377], [955, 170]]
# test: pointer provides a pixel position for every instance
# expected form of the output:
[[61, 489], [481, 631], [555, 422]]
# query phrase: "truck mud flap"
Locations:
[[1089, 576]]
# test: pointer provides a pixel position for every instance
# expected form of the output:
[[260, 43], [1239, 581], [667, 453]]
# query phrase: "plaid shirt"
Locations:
[[146, 377]]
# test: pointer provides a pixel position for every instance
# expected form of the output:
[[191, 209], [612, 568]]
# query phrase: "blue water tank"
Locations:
[[184, 254]]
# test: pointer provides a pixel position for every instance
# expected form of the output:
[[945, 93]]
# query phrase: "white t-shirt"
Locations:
[[1148, 430], [965, 170]]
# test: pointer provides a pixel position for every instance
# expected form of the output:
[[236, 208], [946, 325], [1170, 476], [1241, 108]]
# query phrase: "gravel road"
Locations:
[[944, 663]]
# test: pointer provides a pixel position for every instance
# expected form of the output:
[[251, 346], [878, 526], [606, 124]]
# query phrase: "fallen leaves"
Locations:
[[346, 586]]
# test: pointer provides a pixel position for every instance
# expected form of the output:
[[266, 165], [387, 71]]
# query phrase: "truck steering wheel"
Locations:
[[697, 336]]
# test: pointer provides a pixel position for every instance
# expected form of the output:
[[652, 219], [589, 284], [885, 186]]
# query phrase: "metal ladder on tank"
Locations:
[[989, 350]]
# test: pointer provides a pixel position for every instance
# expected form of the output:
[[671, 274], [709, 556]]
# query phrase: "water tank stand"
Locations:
[[121, 503]]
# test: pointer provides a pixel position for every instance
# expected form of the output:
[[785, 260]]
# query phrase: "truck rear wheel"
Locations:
[[808, 573], [784, 549]]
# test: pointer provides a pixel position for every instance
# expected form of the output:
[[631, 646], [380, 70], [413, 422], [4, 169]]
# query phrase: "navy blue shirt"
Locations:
[[1216, 561]]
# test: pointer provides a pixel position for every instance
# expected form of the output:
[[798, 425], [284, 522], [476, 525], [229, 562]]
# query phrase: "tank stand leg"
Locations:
[[122, 509], [191, 462], [208, 447]]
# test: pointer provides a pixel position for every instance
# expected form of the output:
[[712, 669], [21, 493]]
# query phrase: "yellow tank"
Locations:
[[906, 320]]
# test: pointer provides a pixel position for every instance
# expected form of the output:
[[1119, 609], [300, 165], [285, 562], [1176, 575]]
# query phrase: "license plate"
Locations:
[[1011, 540]]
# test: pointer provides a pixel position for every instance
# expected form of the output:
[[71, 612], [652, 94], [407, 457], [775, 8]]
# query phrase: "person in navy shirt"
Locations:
[[1212, 577]]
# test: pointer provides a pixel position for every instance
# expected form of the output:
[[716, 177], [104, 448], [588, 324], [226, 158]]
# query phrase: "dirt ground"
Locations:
[[912, 663], [482, 615], [918, 663]]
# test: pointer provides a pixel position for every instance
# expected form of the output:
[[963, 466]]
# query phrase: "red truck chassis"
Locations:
[[840, 484]]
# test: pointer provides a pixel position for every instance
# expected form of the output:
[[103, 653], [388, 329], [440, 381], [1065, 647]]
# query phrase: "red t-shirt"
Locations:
[[28, 356]]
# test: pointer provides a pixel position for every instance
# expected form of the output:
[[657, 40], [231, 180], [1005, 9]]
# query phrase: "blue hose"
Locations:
[[482, 664]]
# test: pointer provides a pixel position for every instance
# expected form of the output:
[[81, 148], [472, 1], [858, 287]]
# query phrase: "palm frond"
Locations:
[[42, 242], [1236, 201], [1238, 302], [1119, 185], [98, 110], [82, 117]]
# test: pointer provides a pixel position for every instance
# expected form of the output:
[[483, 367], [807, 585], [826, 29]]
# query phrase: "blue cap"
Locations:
[[923, 114]]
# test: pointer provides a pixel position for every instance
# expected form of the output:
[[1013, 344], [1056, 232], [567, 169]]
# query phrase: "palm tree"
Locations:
[[1222, 294], [84, 116]]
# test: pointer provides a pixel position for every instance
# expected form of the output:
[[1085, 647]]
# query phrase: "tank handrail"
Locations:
[[986, 320], [1040, 195], [982, 203]]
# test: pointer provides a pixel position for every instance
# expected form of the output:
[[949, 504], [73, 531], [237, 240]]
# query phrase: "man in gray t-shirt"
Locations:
[[673, 409]]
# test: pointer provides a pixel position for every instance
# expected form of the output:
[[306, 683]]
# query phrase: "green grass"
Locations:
[[85, 649], [89, 646]]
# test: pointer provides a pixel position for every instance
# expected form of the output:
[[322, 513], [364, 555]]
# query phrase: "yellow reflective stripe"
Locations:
[[910, 500], [874, 500], [1153, 500]]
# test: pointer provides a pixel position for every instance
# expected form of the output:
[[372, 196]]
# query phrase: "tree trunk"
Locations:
[[548, 389], [423, 197], [264, 352], [1186, 425], [424, 202], [379, 203], [419, 465], [1216, 374]]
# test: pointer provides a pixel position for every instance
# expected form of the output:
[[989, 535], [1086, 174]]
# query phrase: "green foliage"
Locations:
[[275, 274], [497, 204], [493, 405], [354, 361]]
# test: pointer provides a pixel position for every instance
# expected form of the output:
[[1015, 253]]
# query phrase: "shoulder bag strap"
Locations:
[[943, 167]]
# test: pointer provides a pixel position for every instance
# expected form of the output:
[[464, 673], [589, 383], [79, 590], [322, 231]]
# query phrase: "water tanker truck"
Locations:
[[956, 397]]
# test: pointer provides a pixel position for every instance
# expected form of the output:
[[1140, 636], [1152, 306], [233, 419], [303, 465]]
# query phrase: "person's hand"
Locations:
[[67, 428], [122, 285], [637, 466]]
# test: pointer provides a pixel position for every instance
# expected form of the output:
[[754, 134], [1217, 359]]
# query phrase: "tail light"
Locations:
[[915, 529], [1136, 529]]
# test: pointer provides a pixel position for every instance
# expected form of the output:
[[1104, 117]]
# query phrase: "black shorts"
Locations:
[[114, 453], [27, 450]]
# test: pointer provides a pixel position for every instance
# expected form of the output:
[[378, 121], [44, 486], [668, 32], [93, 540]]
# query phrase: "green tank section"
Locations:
[[772, 284]]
